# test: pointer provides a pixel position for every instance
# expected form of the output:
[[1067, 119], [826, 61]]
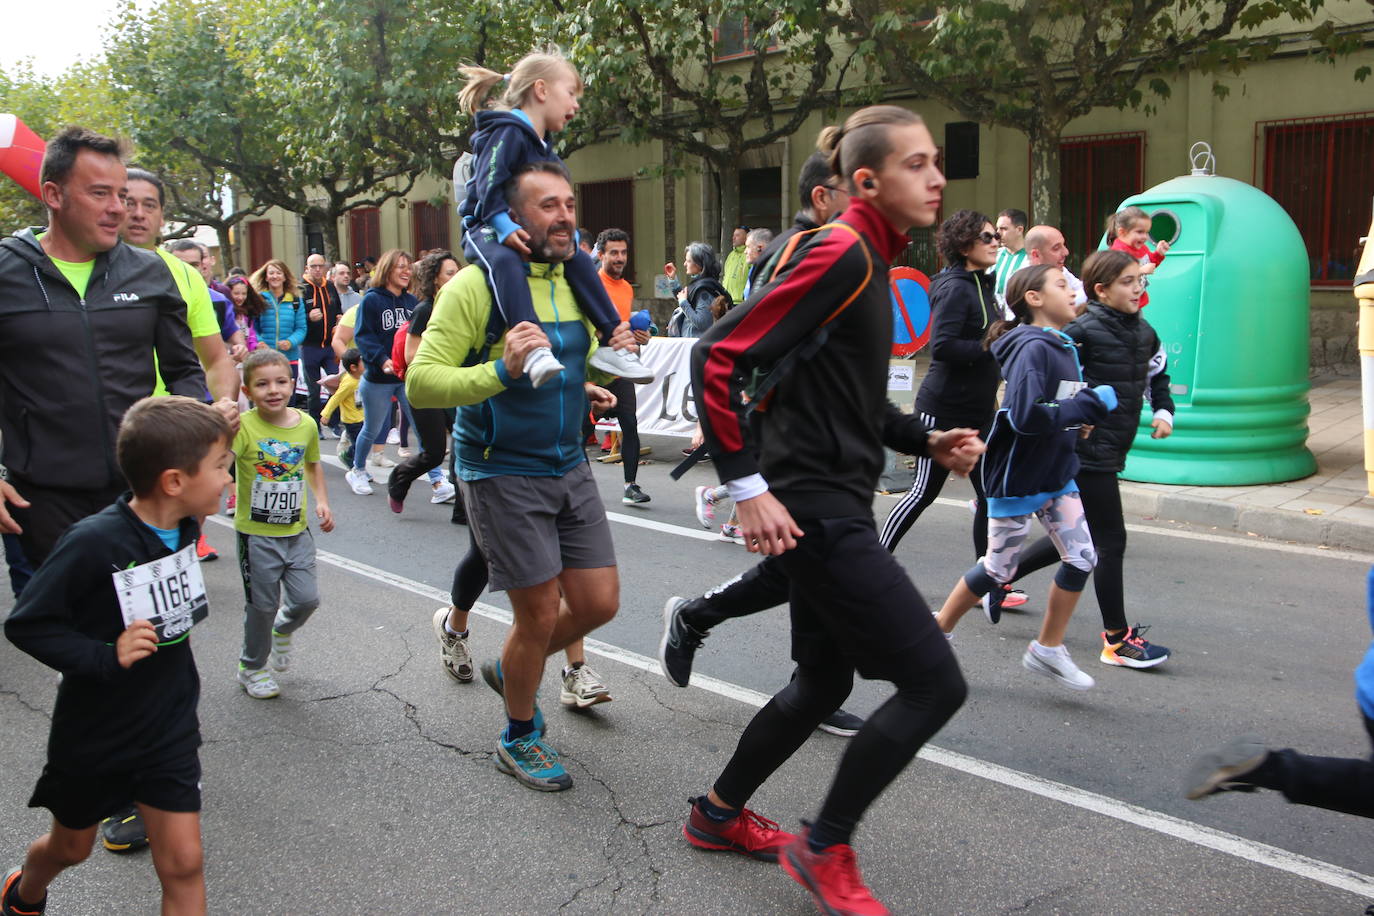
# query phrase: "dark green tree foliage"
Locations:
[[652, 73], [1035, 65]]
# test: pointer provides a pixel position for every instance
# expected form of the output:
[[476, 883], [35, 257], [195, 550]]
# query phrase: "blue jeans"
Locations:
[[376, 398]]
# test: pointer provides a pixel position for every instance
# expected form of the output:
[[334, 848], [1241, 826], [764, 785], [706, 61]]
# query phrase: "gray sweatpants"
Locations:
[[269, 566]]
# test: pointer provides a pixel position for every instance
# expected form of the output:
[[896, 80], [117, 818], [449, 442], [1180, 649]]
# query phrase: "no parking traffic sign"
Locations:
[[910, 310]]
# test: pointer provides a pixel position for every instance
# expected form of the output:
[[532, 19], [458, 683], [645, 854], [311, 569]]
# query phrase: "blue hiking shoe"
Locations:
[[491, 673], [532, 762]]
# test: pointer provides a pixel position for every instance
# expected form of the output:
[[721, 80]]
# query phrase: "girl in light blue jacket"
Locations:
[[282, 324]]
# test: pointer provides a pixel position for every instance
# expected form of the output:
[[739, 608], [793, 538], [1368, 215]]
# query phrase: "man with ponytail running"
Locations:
[[801, 450]]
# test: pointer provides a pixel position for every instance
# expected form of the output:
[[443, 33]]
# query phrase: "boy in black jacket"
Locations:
[[111, 609]]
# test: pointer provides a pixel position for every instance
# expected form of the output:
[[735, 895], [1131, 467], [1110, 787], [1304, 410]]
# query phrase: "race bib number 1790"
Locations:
[[168, 592]]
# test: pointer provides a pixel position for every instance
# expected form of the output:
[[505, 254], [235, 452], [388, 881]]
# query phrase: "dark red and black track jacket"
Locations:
[[819, 439]]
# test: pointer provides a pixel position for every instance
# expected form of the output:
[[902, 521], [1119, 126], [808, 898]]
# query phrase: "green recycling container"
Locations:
[[1230, 304]]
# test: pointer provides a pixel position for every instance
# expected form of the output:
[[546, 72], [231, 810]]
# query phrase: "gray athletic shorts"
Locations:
[[532, 528]]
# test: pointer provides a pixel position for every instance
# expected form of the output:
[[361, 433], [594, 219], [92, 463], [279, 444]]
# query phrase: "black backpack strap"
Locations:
[[496, 326], [765, 382]]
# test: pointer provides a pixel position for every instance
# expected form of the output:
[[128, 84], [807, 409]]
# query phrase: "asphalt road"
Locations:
[[368, 786]]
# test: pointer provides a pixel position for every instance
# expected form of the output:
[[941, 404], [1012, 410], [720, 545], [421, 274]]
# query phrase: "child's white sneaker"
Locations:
[[257, 683], [541, 366], [357, 480], [1054, 663], [280, 658], [623, 363]]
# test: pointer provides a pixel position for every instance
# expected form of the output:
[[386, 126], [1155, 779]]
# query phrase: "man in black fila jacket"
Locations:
[[802, 468], [81, 317]]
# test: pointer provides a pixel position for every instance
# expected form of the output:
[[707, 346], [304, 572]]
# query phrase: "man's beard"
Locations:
[[546, 252]]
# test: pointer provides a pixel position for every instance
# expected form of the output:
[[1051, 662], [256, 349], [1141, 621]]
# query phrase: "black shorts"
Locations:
[[83, 799], [850, 596]]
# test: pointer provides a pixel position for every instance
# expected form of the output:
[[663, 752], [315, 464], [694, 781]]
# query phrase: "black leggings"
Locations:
[[1336, 783], [1101, 495], [624, 411], [930, 480], [431, 423], [469, 577], [926, 698], [758, 588]]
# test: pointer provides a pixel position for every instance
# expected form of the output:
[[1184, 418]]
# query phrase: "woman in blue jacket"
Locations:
[[385, 307], [282, 323], [1030, 462]]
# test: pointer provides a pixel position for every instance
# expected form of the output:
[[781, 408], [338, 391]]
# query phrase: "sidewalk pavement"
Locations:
[[1331, 508]]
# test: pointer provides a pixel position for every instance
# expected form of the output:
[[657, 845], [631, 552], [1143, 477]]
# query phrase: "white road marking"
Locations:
[[1239, 847], [1351, 556]]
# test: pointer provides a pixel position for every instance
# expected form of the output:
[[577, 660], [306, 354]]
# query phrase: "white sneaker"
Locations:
[[1055, 663], [453, 650], [405, 453], [443, 492], [393, 436], [380, 460], [257, 683], [705, 505], [541, 366], [357, 480], [623, 363], [280, 658], [582, 687]]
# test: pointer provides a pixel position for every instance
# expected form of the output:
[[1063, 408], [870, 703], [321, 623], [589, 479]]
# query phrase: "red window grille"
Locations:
[[1319, 170], [259, 242], [1096, 173], [735, 38], [429, 227], [608, 205], [365, 233]]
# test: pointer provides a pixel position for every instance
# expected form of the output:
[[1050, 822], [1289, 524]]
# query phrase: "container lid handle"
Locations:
[[1204, 163]]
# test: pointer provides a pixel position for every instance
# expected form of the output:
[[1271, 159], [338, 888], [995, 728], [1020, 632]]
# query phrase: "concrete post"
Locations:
[[1364, 296]]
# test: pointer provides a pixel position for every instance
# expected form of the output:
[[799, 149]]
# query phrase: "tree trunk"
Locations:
[[728, 176], [330, 223], [228, 257], [1044, 175], [670, 248]]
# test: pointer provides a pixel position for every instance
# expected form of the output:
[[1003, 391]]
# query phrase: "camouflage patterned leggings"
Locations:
[[1064, 522]]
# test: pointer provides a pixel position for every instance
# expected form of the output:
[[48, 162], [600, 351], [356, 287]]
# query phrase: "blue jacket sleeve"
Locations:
[[297, 307], [367, 332], [495, 160], [1034, 412]]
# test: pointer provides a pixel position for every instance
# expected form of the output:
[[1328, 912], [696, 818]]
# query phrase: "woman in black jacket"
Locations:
[[960, 388], [693, 315]]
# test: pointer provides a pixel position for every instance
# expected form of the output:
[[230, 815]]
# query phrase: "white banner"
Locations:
[[666, 406]]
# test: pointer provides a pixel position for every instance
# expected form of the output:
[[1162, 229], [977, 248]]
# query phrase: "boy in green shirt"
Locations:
[[277, 450]]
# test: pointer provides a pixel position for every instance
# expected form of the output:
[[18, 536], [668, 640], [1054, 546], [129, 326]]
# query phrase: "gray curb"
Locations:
[[1280, 524]]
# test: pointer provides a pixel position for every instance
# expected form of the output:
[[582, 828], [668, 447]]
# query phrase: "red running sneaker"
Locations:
[[747, 834], [832, 876], [205, 551]]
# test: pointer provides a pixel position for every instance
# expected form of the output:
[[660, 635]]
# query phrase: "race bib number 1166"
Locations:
[[168, 592]]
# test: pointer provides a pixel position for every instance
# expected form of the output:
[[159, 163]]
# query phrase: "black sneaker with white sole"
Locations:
[[678, 646], [634, 495], [841, 722]]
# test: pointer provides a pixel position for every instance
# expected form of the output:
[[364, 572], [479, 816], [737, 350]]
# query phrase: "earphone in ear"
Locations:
[[868, 183]]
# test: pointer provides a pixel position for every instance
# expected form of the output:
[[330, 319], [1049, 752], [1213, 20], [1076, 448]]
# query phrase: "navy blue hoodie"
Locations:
[[1030, 450], [504, 140]]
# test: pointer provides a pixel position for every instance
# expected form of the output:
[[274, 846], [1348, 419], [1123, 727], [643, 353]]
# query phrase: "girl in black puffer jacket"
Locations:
[[1115, 346]]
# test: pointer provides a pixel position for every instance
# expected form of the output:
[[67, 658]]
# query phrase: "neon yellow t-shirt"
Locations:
[[200, 311], [350, 318], [78, 273], [270, 465]]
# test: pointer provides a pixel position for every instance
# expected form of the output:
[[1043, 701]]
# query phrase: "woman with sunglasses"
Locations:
[[960, 388]]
